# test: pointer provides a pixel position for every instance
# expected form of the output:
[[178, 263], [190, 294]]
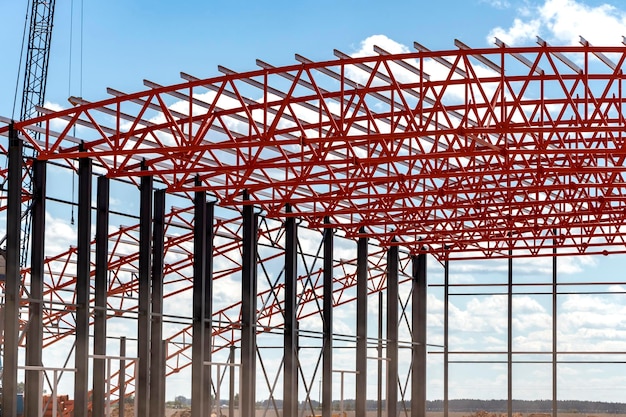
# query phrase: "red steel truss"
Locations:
[[466, 153], [475, 150], [59, 321]]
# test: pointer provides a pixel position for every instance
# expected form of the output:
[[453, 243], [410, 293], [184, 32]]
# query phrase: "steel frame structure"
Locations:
[[462, 154]]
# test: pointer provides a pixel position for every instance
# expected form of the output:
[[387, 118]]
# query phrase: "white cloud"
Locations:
[[53, 106], [498, 4], [56, 124], [389, 45], [616, 288], [519, 32], [59, 235], [563, 22], [585, 323]]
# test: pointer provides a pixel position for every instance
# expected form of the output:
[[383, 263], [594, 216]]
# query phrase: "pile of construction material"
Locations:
[[64, 406]]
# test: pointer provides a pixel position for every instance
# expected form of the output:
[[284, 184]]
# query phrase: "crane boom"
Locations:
[[34, 90], [38, 55]]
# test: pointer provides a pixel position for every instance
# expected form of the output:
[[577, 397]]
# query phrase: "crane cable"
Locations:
[[69, 63], [17, 84], [80, 83], [19, 68], [69, 94], [80, 49], [30, 13]]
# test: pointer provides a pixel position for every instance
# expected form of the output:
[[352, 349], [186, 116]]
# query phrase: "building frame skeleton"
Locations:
[[498, 153]]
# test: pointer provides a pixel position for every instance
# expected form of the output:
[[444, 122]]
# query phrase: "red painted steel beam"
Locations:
[[58, 322], [271, 315], [408, 146]]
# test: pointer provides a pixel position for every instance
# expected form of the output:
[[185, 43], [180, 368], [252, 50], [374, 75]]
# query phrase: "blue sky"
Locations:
[[125, 42]]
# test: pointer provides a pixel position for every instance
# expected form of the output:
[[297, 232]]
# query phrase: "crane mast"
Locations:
[[37, 56], [34, 89]]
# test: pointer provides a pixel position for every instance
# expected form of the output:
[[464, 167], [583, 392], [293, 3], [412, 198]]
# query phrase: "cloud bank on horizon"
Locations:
[[563, 22]]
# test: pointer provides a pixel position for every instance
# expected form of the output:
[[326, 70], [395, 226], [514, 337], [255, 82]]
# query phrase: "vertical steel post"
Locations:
[[157, 382], [327, 306], [248, 310], [446, 338], [290, 374], [379, 364], [100, 285], [392, 331], [83, 266], [13, 276], [208, 303], [554, 326], [199, 271], [122, 377], [162, 391], [361, 327], [419, 284], [144, 273], [509, 349], [35, 308], [231, 384]]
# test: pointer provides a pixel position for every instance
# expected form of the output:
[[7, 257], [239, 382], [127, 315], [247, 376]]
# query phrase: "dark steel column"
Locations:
[[162, 385], [122, 377], [418, 383], [446, 316], [100, 285], [248, 311], [327, 364], [143, 321], [157, 382], [199, 271], [361, 327], [554, 327], [379, 362], [509, 350], [231, 383], [35, 307], [392, 331], [208, 305], [13, 277], [290, 382], [81, 385]]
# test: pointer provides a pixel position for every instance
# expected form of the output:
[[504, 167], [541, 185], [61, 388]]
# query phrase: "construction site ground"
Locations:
[[186, 412]]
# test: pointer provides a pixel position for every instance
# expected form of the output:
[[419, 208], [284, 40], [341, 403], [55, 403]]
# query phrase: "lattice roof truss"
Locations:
[[462, 153]]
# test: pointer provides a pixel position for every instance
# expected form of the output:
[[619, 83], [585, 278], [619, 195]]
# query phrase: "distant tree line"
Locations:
[[524, 406], [492, 406], [464, 405]]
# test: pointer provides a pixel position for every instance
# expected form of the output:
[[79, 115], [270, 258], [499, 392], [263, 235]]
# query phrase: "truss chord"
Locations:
[[462, 165]]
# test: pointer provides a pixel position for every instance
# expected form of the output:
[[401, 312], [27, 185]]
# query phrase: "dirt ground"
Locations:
[[185, 412], [485, 414], [169, 412]]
